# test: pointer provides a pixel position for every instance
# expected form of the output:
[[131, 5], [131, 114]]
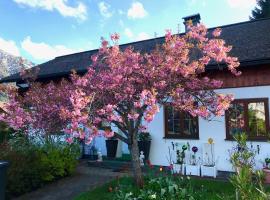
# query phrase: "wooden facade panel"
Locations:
[[251, 76]]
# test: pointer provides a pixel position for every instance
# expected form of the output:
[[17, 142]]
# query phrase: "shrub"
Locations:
[[33, 164], [24, 170], [58, 159], [6, 132], [247, 182]]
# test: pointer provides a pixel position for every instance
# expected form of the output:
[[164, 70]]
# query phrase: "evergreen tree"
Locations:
[[262, 10]]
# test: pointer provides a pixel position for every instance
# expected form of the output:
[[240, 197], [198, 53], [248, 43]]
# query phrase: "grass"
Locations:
[[213, 189], [102, 193]]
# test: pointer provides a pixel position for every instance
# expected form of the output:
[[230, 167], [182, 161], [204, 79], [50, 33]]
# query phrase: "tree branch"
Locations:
[[121, 127], [120, 137]]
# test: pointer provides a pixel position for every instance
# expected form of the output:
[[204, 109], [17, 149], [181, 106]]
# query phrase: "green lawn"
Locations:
[[213, 188]]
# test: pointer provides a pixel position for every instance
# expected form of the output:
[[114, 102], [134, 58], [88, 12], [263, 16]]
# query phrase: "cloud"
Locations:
[[9, 46], [120, 12], [241, 3], [104, 9], [191, 2], [143, 36], [136, 37], [136, 11], [128, 33], [121, 23], [78, 12], [43, 51]]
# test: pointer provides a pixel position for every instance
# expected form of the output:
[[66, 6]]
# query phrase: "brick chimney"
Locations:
[[196, 18]]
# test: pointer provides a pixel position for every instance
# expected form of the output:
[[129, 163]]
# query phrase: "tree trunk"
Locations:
[[137, 171]]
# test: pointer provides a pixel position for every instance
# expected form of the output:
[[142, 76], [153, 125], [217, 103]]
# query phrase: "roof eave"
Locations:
[[62, 74]]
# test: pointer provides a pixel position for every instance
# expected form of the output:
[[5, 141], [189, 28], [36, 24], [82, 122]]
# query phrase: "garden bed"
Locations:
[[213, 189]]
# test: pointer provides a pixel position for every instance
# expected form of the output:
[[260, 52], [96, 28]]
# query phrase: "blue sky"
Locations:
[[39, 30]]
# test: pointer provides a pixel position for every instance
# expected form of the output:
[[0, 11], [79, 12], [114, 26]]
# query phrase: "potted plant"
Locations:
[[209, 166], [179, 167], [193, 168], [266, 170], [144, 143]]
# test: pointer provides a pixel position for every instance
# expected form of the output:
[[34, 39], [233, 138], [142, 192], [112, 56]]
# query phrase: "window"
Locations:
[[180, 125], [250, 116]]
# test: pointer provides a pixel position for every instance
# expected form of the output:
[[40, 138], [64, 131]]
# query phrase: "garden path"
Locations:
[[85, 178]]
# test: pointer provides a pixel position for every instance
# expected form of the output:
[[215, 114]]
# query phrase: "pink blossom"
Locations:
[[137, 104], [133, 116], [108, 134], [69, 140], [122, 84], [115, 37], [216, 32]]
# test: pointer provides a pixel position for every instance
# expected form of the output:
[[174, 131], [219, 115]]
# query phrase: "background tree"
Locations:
[[262, 10], [125, 88]]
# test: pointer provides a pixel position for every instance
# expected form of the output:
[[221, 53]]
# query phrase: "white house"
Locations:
[[249, 112]]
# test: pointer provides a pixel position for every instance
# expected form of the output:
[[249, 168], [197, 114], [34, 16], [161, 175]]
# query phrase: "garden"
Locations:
[[166, 183], [165, 187], [125, 89]]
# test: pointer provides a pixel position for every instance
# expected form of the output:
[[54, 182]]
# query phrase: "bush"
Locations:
[[6, 132], [33, 165], [247, 182], [58, 160]]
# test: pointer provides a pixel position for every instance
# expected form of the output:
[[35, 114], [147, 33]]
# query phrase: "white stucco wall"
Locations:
[[101, 145], [214, 129]]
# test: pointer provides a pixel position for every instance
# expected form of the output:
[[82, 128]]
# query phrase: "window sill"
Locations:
[[250, 139], [180, 138]]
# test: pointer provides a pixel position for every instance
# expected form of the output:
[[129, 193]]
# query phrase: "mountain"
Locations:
[[10, 64]]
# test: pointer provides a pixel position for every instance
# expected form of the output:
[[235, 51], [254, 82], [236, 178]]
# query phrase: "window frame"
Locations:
[[181, 135], [246, 129]]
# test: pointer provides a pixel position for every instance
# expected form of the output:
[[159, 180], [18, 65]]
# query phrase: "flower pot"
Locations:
[[111, 146], [209, 171], [3, 176], [179, 169], [193, 170], [145, 147], [267, 175]]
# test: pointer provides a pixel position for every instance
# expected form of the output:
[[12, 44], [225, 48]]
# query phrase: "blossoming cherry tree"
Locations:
[[125, 88]]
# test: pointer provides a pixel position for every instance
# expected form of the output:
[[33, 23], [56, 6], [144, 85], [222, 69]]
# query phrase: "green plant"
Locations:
[[58, 159], [24, 170], [247, 182], [5, 132], [161, 188], [209, 189], [180, 155], [32, 163], [144, 136], [267, 162], [241, 155]]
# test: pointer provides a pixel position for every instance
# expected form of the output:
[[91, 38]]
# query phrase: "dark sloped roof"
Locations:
[[250, 41]]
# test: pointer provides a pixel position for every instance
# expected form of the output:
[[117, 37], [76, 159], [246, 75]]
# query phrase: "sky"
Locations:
[[40, 30]]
